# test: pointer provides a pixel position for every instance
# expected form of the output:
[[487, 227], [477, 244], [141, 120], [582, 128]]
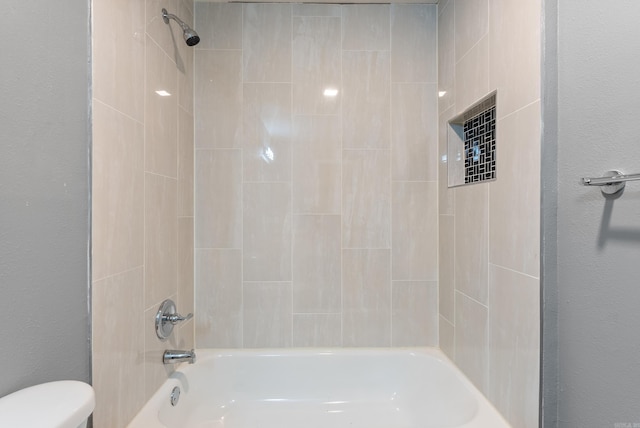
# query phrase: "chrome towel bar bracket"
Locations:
[[612, 181]]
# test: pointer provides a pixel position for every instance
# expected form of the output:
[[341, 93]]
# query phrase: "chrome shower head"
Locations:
[[189, 34]]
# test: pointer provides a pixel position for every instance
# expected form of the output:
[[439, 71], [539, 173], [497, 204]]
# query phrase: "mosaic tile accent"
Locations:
[[480, 146]]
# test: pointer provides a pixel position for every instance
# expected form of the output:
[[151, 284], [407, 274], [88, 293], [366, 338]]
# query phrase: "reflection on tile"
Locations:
[[515, 346], [218, 185], [366, 99], [414, 132], [414, 231], [447, 333], [366, 199], [515, 195], [366, 27], [471, 342], [155, 372], [413, 43], [472, 76], [161, 238], [218, 105], [185, 164], [267, 232], [219, 25], [445, 194], [118, 192], [266, 42], [316, 65], [471, 241], [161, 113], [267, 132], [185, 264], [317, 330], [218, 313], [446, 57], [267, 314], [311, 9], [471, 24], [118, 368], [317, 164], [118, 55], [316, 264], [415, 313], [446, 267]]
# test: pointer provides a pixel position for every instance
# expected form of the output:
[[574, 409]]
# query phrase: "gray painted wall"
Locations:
[[44, 193], [598, 239]]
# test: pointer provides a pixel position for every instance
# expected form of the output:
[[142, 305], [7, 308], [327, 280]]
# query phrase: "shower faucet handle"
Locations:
[[166, 318]]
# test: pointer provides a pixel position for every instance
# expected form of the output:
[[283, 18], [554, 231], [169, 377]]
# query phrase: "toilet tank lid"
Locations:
[[59, 404]]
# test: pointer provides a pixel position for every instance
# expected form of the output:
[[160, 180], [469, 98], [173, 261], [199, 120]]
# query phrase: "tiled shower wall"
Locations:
[[316, 217], [142, 226], [489, 233]]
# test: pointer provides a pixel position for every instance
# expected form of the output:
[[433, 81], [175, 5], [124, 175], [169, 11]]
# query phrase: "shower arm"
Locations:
[[166, 16]]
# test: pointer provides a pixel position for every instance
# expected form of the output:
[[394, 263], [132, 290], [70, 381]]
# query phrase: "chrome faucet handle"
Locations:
[[166, 318]]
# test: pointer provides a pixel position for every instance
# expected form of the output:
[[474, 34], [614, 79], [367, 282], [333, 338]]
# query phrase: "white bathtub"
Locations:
[[355, 388]]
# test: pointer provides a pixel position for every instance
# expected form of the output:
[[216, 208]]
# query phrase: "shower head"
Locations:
[[189, 34]]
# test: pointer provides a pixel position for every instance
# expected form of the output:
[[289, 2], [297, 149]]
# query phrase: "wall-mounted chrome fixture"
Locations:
[[189, 34], [612, 182], [166, 318], [174, 356]]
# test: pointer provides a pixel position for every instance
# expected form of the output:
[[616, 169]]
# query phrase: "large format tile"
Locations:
[[266, 42], [316, 65], [185, 265], [446, 269], [447, 338], [472, 76], [317, 330], [446, 195], [414, 313], [219, 25], [185, 164], [317, 164], [218, 204], [471, 24], [267, 232], [471, 341], [413, 43], [316, 264], [366, 99], [118, 192], [414, 231], [218, 105], [315, 9], [514, 198], [414, 131], [167, 36], [514, 347], [267, 315], [366, 199], [218, 313], [366, 27], [446, 57], [266, 132]]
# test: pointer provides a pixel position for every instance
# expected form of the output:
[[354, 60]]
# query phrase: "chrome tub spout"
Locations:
[[174, 356]]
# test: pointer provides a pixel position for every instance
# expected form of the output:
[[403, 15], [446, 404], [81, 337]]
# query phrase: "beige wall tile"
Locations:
[[366, 27], [155, 372], [514, 198], [310, 9], [471, 341], [218, 313], [218, 204], [414, 131], [185, 266], [118, 44], [366, 96], [161, 113], [186, 79], [186, 335], [317, 264], [414, 316], [446, 268], [317, 164], [267, 132], [471, 24], [316, 65], [117, 192], [471, 241], [514, 53], [165, 35], [366, 328], [366, 199], [161, 238], [446, 195], [514, 346], [442, 4], [446, 56], [266, 45], [472, 75], [218, 105], [267, 232], [414, 43], [447, 338], [414, 231], [267, 314], [219, 25], [317, 330], [117, 354], [185, 164]]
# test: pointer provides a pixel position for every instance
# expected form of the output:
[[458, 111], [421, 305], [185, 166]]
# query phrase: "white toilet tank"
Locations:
[[61, 404]]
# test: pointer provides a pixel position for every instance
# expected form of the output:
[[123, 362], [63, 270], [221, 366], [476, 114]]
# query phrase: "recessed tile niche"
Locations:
[[471, 144]]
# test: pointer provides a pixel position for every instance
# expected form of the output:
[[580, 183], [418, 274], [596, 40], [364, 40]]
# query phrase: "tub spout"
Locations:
[[174, 356]]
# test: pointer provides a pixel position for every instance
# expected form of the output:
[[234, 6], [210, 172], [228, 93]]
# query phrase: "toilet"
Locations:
[[60, 404]]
